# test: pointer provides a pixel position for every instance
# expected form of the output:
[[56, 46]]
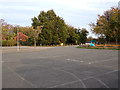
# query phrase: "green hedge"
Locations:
[[8, 42]]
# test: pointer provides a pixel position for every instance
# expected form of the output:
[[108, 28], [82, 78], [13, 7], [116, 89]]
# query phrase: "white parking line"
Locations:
[[101, 82], [100, 74], [64, 84], [78, 79], [1, 61], [74, 60], [89, 63], [103, 60], [21, 77]]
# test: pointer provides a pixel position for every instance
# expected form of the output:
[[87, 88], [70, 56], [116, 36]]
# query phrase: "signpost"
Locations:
[[20, 37]]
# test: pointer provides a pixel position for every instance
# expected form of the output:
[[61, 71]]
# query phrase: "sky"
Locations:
[[77, 13]]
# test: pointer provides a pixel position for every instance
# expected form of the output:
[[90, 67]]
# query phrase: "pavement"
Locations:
[[21, 49], [60, 67]]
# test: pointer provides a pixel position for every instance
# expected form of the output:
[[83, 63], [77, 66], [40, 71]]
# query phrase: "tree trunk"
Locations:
[[34, 43], [18, 45], [116, 41]]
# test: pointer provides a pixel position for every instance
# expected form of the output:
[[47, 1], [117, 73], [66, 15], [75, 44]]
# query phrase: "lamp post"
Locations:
[[119, 4], [20, 37], [18, 43]]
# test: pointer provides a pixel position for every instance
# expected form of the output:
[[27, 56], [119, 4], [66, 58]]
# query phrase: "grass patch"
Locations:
[[98, 48]]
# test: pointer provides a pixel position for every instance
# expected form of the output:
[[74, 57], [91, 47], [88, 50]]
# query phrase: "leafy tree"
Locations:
[[90, 38], [73, 36], [82, 35], [108, 25], [54, 28], [101, 40], [7, 34]]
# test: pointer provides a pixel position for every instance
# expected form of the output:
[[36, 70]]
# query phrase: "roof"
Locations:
[[21, 36]]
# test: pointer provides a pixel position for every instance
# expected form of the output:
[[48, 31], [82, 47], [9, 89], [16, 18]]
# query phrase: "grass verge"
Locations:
[[98, 48]]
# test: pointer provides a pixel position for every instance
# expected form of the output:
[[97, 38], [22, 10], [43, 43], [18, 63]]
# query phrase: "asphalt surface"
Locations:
[[60, 67]]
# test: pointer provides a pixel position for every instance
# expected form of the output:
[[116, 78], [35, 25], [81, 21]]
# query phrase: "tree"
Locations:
[[82, 35], [90, 38], [35, 32], [7, 34], [73, 36], [101, 39], [54, 30], [20, 37], [108, 25], [61, 30]]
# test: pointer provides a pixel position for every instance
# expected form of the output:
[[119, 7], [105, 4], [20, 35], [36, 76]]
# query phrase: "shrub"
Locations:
[[8, 42]]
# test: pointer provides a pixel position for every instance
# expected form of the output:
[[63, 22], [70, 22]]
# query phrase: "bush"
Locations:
[[8, 42]]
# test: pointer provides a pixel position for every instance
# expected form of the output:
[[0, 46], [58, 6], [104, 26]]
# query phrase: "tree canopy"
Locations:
[[47, 29], [55, 30], [108, 25]]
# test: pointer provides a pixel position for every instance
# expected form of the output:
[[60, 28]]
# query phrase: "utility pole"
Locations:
[[18, 43], [119, 4]]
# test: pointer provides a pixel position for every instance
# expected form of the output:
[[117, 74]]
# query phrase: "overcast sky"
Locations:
[[78, 13]]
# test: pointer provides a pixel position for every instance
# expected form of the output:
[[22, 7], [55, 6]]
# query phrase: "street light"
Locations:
[[119, 4], [18, 43]]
